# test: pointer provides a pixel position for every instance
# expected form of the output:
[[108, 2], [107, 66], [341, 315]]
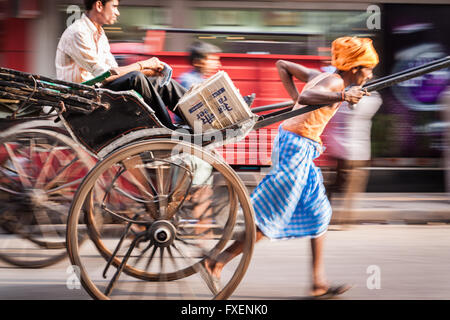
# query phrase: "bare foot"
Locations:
[[319, 289], [327, 291], [213, 267], [211, 275]]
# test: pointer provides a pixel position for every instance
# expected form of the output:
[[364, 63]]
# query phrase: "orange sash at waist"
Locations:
[[311, 124]]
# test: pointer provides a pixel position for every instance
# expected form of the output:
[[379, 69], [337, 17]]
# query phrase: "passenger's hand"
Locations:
[[354, 94], [153, 64], [114, 71], [151, 73]]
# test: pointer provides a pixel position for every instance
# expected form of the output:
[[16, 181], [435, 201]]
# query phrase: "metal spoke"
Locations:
[[118, 215], [32, 149], [161, 182], [17, 183], [180, 274], [208, 228], [186, 193], [143, 252], [144, 172], [9, 169], [56, 207], [61, 197], [107, 194], [64, 186], [42, 217], [59, 174], [150, 259], [21, 152], [9, 191], [139, 177], [163, 186], [119, 244], [162, 276], [198, 266], [144, 191], [119, 270], [126, 194], [109, 188], [203, 251], [163, 203], [21, 173], [170, 180], [6, 216], [178, 183], [45, 166]]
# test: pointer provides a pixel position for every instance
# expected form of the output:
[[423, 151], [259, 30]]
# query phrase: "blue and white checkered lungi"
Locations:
[[290, 201]]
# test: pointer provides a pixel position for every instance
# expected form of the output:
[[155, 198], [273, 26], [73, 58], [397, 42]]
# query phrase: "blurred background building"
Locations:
[[407, 131]]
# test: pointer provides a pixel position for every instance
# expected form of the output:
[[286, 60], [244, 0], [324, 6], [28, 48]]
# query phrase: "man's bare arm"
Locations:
[[329, 91], [287, 70], [120, 71], [150, 67]]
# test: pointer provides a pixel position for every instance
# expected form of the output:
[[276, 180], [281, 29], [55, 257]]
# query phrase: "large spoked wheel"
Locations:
[[40, 171], [154, 211]]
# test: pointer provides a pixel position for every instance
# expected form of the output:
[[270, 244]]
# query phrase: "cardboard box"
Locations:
[[214, 104]]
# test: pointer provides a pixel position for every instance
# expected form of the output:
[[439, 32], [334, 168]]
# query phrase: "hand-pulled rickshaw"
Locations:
[[138, 206]]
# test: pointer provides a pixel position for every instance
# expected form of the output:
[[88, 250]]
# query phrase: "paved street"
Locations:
[[412, 262], [411, 208]]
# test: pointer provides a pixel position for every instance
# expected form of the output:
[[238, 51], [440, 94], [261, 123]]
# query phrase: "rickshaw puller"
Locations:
[[291, 201]]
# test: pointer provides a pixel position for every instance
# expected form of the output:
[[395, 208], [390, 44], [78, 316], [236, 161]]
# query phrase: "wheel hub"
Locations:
[[162, 233], [37, 197]]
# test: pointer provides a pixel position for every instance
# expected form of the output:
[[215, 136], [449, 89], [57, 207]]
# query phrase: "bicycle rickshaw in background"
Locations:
[[146, 205]]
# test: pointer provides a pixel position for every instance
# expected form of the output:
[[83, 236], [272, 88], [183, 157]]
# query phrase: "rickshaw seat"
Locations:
[[127, 112]]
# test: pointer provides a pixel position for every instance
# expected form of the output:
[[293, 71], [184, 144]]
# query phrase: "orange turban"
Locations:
[[351, 52]]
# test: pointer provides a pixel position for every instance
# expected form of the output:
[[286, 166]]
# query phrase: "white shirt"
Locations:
[[83, 52], [348, 132]]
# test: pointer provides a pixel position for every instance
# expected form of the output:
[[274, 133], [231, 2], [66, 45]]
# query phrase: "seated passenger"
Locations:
[[83, 53]]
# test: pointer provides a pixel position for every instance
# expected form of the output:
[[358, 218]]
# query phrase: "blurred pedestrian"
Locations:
[[445, 100], [204, 61], [83, 53], [291, 201], [348, 142]]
